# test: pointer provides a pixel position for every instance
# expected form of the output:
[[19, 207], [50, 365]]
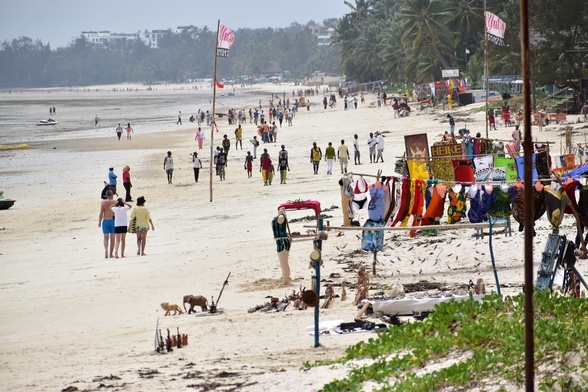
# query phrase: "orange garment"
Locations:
[[435, 209], [418, 204]]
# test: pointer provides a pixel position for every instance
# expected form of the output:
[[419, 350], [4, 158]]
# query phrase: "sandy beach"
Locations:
[[73, 319]]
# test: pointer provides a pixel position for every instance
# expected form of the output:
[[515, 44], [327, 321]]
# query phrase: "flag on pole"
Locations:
[[495, 28], [225, 41], [467, 51], [218, 84]]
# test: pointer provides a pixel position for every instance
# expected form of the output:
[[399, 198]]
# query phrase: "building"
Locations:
[[101, 38], [323, 32]]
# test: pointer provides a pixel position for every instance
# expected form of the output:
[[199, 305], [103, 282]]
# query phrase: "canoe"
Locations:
[[6, 203]]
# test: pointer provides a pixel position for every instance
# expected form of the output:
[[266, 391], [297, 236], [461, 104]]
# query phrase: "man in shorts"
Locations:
[[106, 221], [343, 156]]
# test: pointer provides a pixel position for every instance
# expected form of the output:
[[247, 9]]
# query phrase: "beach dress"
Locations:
[[435, 210], [417, 204], [501, 207], [281, 234], [475, 213], [457, 205], [404, 202]]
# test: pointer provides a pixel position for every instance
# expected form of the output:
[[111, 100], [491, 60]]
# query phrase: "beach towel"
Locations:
[[521, 168], [484, 167], [417, 169], [505, 169]]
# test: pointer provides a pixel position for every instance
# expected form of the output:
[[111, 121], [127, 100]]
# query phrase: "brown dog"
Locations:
[[171, 308]]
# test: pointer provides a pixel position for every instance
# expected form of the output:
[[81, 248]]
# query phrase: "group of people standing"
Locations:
[[128, 128]]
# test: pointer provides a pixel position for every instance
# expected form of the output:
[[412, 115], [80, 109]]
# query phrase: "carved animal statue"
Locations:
[[195, 300], [171, 308]]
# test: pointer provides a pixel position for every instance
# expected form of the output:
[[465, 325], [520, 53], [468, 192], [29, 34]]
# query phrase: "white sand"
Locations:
[[72, 318]]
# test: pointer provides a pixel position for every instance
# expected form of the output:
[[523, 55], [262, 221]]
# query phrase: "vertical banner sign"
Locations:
[[225, 41], [495, 28]]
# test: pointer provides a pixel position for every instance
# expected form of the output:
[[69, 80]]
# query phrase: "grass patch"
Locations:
[[486, 342]]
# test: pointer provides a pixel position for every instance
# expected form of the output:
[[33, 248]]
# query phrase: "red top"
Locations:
[[127, 176], [303, 205]]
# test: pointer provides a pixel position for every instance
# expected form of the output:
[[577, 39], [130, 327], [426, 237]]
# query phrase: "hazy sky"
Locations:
[[58, 22]]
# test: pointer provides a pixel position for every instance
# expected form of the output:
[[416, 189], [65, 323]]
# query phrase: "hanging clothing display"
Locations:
[[501, 207], [404, 202], [505, 169], [556, 203], [417, 204], [543, 164], [463, 170], [428, 195], [417, 169], [475, 212], [372, 240], [518, 203], [376, 203], [484, 167], [521, 168], [570, 189], [457, 205], [442, 169], [435, 210]]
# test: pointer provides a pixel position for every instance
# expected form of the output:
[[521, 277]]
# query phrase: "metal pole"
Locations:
[[213, 122], [486, 65], [317, 289], [528, 213]]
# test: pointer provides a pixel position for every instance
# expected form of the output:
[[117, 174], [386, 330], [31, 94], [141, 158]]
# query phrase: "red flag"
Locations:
[[218, 84]]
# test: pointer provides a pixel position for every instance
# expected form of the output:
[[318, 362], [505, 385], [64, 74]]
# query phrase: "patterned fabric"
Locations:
[[442, 169], [372, 240], [418, 169], [543, 164], [475, 213], [556, 203], [376, 204], [281, 234], [518, 204], [502, 203], [457, 205]]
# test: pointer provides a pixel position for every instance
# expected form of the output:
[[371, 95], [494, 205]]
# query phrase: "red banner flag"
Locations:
[[218, 84]]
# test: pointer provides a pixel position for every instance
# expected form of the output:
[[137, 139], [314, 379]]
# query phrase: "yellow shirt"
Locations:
[[142, 215]]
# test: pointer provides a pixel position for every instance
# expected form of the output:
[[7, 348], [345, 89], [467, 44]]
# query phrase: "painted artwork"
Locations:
[[417, 146]]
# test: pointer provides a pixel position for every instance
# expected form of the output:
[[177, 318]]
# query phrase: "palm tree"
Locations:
[[360, 11], [425, 26], [345, 34]]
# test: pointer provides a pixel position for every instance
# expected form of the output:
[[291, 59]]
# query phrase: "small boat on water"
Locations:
[[6, 203], [49, 121]]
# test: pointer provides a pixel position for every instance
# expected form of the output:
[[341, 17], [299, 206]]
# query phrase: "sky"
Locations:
[[59, 22]]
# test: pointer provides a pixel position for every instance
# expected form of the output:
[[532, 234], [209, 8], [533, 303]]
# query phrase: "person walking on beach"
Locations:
[[106, 222], [112, 180], [179, 122], [120, 226], [119, 130], [380, 147], [249, 164], [127, 183], [200, 137], [226, 143], [356, 153], [255, 143], [239, 137], [96, 120], [372, 147], [330, 157], [343, 156], [197, 164], [221, 163], [129, 131], [265, 165], [283, 166], [315, 157], [168, 166], [142, 221]]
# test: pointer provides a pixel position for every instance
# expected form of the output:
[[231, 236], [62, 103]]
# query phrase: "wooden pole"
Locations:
[[213, 122], [528, 198]]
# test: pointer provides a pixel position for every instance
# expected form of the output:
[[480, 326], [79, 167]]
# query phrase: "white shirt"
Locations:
[[197, 163], [356, 145], [380, 141], [120, 215]]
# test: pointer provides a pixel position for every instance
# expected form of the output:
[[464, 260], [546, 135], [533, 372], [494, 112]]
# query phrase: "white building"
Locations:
[[100, 38]]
